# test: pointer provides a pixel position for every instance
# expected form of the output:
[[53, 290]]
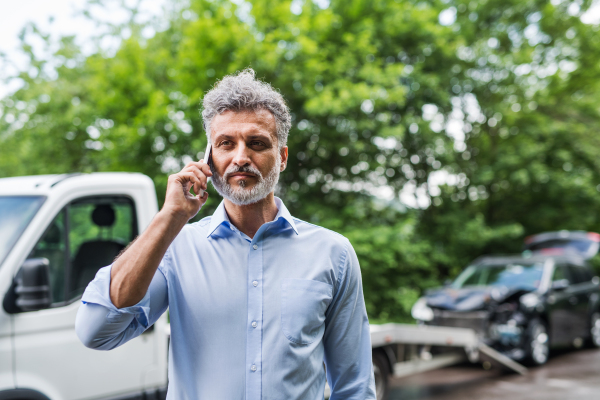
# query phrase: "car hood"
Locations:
[[468, 299]]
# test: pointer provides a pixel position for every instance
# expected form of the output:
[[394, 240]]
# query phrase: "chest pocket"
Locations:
[[303, 306]]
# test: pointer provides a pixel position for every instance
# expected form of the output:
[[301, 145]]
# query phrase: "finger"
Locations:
[[188, 185], [205, 168], [187, 176], [199, 184], [199, 173], [201, 165], [197, 164], [201, 177], [188, 179]]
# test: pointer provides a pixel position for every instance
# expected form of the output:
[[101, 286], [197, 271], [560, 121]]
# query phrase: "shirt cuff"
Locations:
[[98, 292]]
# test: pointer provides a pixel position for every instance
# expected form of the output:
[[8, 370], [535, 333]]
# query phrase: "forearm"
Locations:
[[132, 272]]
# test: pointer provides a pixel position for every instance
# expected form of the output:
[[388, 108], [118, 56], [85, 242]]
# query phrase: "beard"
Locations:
[[241, 195]]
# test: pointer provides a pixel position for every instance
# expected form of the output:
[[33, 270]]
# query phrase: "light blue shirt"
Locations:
[[250, 318]]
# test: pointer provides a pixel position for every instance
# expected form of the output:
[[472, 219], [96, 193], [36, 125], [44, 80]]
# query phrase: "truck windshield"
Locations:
[[15, 214], [513, 276]]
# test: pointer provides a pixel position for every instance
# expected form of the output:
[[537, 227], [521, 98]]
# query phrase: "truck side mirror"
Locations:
[[32, 285], [561, 284]]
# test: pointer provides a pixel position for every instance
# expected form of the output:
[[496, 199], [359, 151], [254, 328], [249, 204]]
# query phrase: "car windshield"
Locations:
[[513, 276], [15, 214]]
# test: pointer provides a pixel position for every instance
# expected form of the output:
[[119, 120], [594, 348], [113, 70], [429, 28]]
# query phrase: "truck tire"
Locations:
[[382, 371], [21, 394]]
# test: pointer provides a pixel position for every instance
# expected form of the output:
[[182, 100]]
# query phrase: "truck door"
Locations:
[[85, 236], [16, 212], [6, 353]]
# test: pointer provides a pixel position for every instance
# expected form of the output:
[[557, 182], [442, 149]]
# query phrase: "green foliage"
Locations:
[[395, 264], [489, 120]]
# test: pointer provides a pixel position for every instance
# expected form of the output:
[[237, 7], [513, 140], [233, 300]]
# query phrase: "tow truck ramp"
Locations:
[[467, 339], [465, 342]]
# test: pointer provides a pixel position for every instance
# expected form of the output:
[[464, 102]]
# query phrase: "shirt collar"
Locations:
[[220, 216], [285, 214]]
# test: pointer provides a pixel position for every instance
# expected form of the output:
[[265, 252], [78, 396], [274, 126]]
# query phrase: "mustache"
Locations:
[[245, 168]]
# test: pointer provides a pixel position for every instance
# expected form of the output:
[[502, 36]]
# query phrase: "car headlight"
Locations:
[[421, 311], [530, 300]]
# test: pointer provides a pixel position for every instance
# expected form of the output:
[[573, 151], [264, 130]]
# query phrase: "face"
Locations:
[[246, 159]]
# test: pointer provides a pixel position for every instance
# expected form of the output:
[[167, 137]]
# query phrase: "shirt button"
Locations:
[[253, 368], [255, 283], [255, 247], [254, 324]]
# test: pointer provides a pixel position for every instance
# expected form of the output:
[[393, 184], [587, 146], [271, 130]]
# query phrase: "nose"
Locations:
[[242, 155]]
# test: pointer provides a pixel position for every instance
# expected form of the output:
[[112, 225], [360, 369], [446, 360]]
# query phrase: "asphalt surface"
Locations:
[[573, 374]]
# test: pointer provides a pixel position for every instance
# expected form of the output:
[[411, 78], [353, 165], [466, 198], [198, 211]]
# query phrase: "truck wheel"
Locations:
[[537, 344], [381, 371], [595, 330]]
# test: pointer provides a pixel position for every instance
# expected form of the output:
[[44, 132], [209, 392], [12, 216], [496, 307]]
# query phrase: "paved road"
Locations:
[[568, 375]]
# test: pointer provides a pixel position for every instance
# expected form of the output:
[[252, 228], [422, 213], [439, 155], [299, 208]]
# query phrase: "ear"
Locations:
[[284, 158]]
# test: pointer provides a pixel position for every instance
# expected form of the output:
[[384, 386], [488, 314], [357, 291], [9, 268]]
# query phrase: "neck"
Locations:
[[251, 217]]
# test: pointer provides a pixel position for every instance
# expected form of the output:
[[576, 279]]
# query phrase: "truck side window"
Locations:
[[99, 229], [86, 235], [53, 246]]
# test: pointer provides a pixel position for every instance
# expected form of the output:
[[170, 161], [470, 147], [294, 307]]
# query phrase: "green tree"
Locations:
[[482, 111]]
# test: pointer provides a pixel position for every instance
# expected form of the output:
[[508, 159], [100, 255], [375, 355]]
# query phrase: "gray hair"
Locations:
[[244, 92]]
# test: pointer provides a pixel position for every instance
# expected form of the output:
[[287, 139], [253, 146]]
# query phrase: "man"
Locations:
[[258, 299]]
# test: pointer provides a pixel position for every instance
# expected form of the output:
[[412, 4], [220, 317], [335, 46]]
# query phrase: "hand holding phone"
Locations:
[[179, 199]]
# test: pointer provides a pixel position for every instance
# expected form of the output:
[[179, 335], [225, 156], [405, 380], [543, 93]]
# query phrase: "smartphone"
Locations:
[[207, 155]]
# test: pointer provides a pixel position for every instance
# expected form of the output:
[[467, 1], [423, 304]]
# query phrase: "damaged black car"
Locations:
[[521, 306]]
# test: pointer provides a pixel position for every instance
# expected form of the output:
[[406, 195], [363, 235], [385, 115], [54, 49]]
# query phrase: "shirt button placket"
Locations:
[[254, 335]]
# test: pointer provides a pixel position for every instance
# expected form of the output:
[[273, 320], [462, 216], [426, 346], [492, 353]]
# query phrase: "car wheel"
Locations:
[[538, 344], [381, 372], [595, 330]]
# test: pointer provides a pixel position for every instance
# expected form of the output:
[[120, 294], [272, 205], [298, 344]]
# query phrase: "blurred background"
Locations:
[[427, 132]]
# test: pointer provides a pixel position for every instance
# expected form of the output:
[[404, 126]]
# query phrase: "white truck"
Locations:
[[56, 231]]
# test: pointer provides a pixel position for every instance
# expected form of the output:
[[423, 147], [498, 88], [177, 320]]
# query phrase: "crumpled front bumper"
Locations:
[[506, 337]]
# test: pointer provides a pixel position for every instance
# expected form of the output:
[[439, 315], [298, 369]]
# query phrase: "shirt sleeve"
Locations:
[[347, 338], [101, 325]]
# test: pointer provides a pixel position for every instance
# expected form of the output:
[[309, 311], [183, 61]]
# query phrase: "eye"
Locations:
[[256, 143], [225, 143]]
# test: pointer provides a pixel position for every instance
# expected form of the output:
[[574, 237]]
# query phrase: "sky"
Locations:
[[67, 20], [16, 14]]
